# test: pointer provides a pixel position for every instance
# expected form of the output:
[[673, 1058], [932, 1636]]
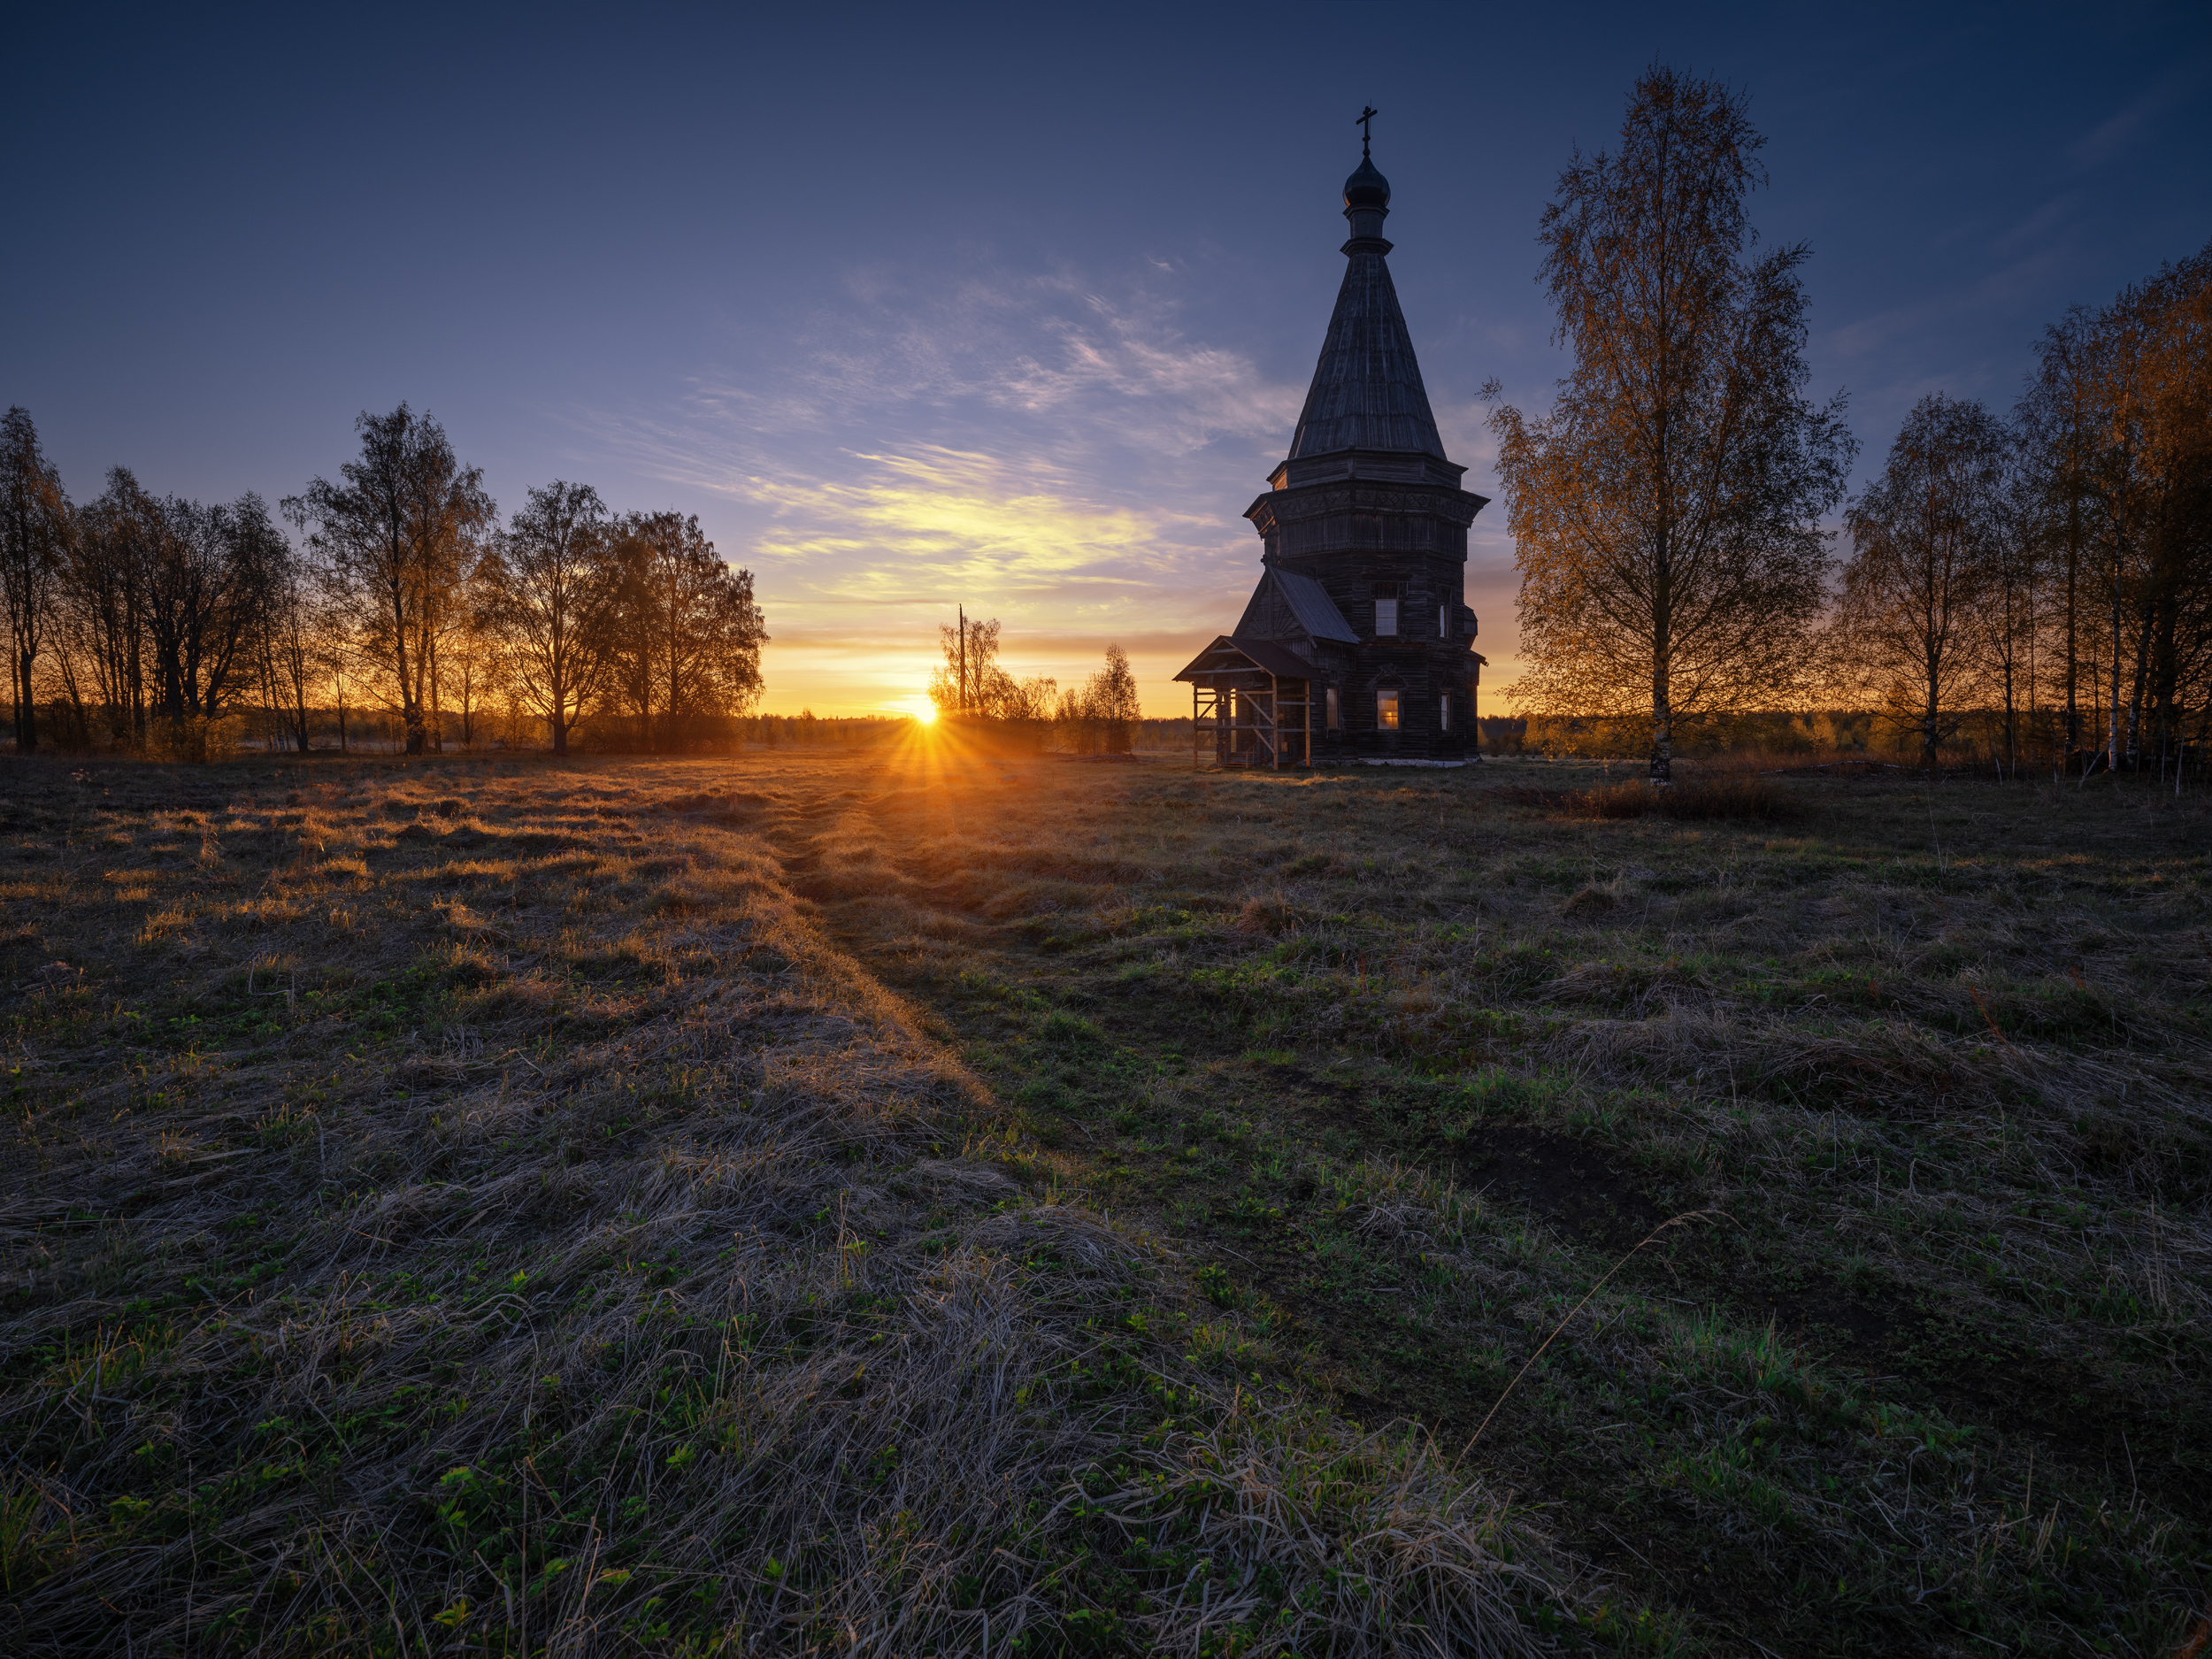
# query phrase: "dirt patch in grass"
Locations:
[[1823, 1311], [1563, 1179]]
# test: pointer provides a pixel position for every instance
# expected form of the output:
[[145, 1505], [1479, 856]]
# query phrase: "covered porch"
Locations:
[[1252, 701]]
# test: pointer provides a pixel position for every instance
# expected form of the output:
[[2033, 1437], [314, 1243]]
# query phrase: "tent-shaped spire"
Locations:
[[1367, 392]]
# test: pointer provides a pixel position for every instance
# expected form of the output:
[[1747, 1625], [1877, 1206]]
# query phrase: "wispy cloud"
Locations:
[[2116, 134], [1873, 336], [2041, 224], [1048, 448], [900, 529]]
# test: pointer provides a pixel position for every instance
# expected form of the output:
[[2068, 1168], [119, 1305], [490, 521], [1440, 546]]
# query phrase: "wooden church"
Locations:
[[1357, 644]]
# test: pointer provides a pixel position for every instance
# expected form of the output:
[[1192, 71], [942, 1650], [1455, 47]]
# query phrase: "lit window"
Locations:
[[1336, 712], [1385, 618], [1386, 711], [1444, 713]]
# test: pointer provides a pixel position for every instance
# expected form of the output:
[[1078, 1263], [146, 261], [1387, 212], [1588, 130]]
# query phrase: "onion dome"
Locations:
[[1366, 204], [1367, 187]]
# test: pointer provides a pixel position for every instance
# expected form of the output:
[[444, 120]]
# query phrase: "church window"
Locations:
[[1443, 623], [1386, 711], [1385, 610], [1444, 713], [1336, 711]]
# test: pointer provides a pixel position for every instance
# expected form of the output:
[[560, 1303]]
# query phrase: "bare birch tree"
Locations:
[[2056, 421], [163, 608], [1666, 511], [1926, 540], [105, 602], [553, 589], [685, 632], [206, 597], [2018, 570], [292, 643], [1113, 700], [35, 526], [973, 684], [397, 533]]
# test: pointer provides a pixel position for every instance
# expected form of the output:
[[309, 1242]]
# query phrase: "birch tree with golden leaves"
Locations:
[[1665, 512]]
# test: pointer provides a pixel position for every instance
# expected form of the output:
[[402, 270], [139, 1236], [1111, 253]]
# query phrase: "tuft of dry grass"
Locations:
[[1269, 913]]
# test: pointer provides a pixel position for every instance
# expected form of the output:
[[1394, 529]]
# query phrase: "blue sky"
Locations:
[[1012, 307]]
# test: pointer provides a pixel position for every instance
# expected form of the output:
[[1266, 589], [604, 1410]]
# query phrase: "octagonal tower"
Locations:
[[1364, 534]]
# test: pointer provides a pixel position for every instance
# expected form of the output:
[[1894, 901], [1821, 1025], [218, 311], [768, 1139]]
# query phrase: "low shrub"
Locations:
[[1714, 796]]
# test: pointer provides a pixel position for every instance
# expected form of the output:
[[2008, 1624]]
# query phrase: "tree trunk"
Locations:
[[2135, 699], [410, 688], [138, 682], [26, 711], [1662, 663], [2012, 745], [80, 717], [2112, 729], [673, 625], [436, 700], [2073, 571], [2166, 672]]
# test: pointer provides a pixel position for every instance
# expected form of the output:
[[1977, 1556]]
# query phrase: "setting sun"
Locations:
[[918, 705]]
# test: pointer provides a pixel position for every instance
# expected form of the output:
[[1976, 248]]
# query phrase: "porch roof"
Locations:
[[1229, 654]]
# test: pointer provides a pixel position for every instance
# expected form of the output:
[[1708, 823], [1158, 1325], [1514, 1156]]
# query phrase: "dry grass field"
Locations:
[[934, 1202]]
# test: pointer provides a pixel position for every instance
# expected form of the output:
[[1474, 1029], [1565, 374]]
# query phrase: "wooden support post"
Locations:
[[1275, 715], [1309, 726]]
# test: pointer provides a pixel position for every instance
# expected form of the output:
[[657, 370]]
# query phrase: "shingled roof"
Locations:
[[1231, 655], [1367, 392], [1316, 611]]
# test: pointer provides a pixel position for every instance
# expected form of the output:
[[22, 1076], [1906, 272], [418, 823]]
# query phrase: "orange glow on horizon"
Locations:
[[916, 707]]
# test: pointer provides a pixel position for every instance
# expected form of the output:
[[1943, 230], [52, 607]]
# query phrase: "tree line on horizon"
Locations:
[[2044, 573], [137, 623], [1102, 716]]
